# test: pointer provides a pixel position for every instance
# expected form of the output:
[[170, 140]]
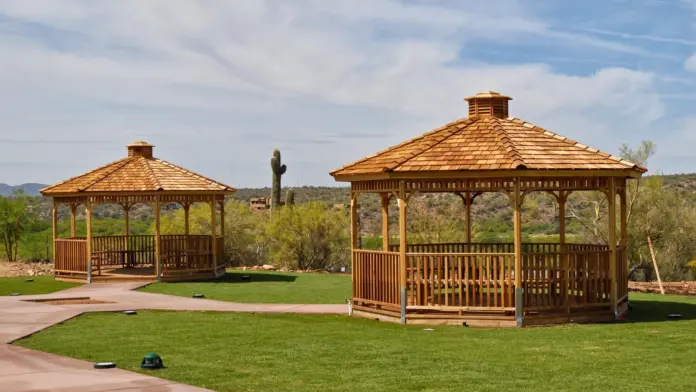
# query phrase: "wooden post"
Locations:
[[385, 221], [73, 213], [517, 223], [562, 199], [657, 270], [611, 198], [54, 217], [88, 227], [402, 248], [222, 229], [126, 232], [213, 231], [624, 238], [187, 206], [158, 245], [354, 222], [353, 239], [467, 202]]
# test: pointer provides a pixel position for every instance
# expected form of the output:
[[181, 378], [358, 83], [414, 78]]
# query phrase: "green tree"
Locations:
[[16, 212], [309, 236]]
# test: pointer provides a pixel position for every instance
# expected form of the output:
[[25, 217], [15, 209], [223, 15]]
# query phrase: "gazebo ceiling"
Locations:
[[138, 172], [487, 140]]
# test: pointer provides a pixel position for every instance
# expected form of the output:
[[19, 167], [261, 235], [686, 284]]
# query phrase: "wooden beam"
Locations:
[[611, 198], [385, 221], [73, 214], [631, 173], [517, 226], [402, 248]]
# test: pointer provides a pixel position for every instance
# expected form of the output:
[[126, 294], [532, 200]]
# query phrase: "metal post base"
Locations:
[[403, 305], [518, 305]]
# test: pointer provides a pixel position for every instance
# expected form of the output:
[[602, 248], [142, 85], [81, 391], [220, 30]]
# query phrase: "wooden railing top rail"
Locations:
[[458, 254], [375, 252], [71, 239]]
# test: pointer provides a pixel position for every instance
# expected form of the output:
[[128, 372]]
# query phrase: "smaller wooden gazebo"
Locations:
[[490, 284], [139, 178]]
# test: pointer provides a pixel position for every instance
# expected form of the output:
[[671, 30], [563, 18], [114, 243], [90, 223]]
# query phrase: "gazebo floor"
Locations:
[[136, 274], [597, 313]]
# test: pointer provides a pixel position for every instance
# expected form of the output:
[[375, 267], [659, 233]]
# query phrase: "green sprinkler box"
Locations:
[[152, 361]]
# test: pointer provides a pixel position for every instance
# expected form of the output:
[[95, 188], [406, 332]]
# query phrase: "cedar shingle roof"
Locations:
[[480, 143], [139, 172]]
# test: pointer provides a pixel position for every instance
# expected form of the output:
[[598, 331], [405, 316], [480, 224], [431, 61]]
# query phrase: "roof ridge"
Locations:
[[153, 176], [82, 175], [126, 161], [510, 149], [466, 120], [193, 174], [574, 143]]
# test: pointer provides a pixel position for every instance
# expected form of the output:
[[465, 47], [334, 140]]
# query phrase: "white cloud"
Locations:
[[199, 79], [690, 64]]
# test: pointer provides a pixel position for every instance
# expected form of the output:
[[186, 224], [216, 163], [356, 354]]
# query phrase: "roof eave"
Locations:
[[636, 172]]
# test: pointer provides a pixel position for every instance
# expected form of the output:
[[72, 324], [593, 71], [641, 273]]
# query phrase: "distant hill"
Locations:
[[30, 189]]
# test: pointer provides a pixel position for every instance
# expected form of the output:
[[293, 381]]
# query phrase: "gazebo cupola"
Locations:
[[488, 103], [140, 149], [139, 178], [495, 284]]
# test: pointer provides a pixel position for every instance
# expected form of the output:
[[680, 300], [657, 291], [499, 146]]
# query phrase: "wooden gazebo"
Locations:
[[490, 284], [139, 178]]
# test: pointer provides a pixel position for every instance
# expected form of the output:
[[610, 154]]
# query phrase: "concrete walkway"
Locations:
[[24, 370]]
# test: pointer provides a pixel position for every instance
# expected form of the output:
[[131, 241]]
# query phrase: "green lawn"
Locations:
[[265, 287], [40, 285], [257, 352]]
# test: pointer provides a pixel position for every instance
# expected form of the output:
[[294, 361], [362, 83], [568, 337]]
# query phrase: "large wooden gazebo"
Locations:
[[490, 284], [139, 178]]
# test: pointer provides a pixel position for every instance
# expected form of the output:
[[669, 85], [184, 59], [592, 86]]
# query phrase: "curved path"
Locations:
[[24, 370]]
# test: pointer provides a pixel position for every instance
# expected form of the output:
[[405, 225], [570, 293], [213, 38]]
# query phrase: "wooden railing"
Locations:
[[179, 252], [125, 251], [443, 278], [566, 279], [71, 255], [475, 247], [376, 278], [461, 281]]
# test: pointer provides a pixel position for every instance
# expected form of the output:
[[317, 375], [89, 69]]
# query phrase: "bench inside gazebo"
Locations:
[[490, 284], [139, 178]]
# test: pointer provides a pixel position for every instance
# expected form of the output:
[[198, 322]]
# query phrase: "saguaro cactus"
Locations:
[[290, 198], [278, 170]]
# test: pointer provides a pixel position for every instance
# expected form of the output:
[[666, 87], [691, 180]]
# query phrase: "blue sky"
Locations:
[[217, 85]]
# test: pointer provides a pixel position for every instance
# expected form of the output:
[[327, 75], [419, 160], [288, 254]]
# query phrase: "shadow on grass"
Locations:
[[239, 277], [642, 311]]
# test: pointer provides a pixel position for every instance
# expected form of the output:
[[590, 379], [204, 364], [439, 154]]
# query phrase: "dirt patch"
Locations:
[[69, 301], [19, 268], [679, 288]]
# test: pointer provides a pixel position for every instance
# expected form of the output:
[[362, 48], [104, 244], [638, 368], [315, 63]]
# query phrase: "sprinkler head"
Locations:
[[151, 361]]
